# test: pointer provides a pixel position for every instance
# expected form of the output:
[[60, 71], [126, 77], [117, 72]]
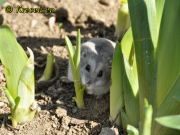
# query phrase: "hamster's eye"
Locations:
[[84, 55], [100, 73], [88, 67]]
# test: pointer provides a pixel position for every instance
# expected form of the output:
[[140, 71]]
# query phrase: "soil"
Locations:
[[42, 33]]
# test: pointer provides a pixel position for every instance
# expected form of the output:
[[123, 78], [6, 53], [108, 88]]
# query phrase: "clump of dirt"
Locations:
[[40, 31]]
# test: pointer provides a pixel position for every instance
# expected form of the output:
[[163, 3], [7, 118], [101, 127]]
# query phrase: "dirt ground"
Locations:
[[59, 114]]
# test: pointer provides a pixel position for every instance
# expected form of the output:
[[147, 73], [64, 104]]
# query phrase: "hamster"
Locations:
[[95, 65]]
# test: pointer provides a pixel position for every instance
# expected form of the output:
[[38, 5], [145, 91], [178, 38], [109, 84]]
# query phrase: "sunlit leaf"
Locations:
[[170, 121]]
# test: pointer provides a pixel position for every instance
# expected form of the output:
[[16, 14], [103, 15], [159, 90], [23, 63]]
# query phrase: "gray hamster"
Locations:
[[95, 66]]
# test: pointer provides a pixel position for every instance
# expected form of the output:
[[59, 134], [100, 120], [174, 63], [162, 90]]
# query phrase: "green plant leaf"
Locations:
[[159, 12], [126, 44], [170, 106], [177, 98], [168, 51], [9, 48], [143, 20], [172, 121], [10, 98], [78, 50], [131, 93], [124, 119], [71, 52], [26, 93], [49, 68], [124, 80], [123, 20], [116, 89], [144, 29], [168, 67], [147, 121], [19, 73], [74, 58], [132, 130]]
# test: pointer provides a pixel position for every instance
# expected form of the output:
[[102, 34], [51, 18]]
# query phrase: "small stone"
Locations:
[[10, 134], [35, 0], [53, 118], [52, 23], [1, 104], [54, 125], [59, 102], [60, 112], [65, 79], [93, 124], [33, 23], [31, 34], [77, 121], [65, 122]]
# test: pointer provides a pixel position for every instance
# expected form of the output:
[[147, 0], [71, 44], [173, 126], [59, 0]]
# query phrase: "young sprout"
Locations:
[[123, 19], [60, 26], [48, 69], [19, 74], [74, 58]]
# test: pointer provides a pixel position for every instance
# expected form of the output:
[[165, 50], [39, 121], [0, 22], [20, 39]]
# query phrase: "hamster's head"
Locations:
[[95, 72]]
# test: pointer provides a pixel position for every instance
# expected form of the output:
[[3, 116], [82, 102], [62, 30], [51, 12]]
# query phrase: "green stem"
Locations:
[[79, 89], [147, 118]]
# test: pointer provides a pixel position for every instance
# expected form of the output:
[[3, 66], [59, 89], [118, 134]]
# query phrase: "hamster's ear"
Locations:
[[109, 62]]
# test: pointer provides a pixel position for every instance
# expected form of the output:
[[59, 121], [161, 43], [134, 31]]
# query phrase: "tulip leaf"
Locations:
[[71, 52], [132, 130], [9, 48], [168, 51], [172, 121], [126, 44], [78, 50], [144, 30], [116, 89], [19, 74], [147, 120]]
